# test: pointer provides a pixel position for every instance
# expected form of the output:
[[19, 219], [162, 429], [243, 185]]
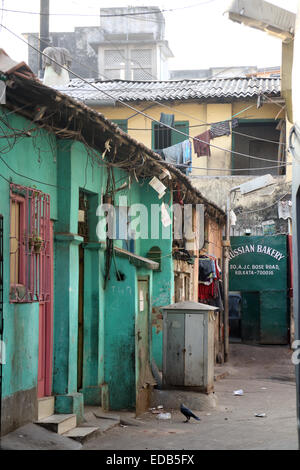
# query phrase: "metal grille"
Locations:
[[142, 58], [141, 74], [30, 263], [162, 137], [114, 74], [113, 59]]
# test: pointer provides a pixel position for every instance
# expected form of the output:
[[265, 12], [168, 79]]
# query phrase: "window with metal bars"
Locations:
[[30, 263], [141, 64], [114, 64], [163, 137], [83, 223]]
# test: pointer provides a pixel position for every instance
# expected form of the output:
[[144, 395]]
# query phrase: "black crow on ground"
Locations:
[[188, 413]]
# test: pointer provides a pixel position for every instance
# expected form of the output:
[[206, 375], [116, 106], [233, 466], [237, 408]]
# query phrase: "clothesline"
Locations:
[[204, 146]]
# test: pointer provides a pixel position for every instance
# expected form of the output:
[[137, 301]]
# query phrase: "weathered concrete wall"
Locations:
[[18, 409], [184, 273], [120, 25], [263, 203], [80, 45], [213, 239]]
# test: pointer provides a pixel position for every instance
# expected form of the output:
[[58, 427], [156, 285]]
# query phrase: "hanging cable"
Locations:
[[264, 208], [150, 12], [136, 110], [204, 123]]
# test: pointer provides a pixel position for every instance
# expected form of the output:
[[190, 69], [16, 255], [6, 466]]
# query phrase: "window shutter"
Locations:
[[182, 126]]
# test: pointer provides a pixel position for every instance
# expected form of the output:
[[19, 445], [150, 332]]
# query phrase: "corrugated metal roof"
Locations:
[[218, 89]]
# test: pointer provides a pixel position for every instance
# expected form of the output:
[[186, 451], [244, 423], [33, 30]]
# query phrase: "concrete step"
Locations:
[[33, 437], [59, 423], [45, 407], [82, 433]]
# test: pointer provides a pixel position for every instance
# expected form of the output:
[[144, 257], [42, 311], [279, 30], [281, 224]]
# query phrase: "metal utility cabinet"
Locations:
[[188, 346]]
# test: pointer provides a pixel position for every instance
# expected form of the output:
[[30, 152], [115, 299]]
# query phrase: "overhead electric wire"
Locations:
[[142, 113], [27, 177], [204, 123], [149, 12], [261, 139], [263, 208], [231, 169]]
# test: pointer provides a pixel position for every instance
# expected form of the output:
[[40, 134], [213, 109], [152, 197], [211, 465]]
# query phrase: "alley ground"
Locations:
[[265, 374]]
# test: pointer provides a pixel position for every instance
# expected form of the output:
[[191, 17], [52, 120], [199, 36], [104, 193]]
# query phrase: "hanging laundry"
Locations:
[[168, 119], [205, 292], [209, 285], [216, 299], [174, 154], [207, 269], [202, 146], [187, 156], [218, 129], [178, 155]]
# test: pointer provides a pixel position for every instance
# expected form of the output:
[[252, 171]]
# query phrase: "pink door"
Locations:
[[42, 352], [46, 333]]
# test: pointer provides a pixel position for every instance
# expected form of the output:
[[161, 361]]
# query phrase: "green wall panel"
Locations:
[[258, 269], [258, 263]]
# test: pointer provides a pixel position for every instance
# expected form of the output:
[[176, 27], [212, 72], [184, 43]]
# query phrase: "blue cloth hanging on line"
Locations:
[[168, 119], [187, 156], [178, 155], [173, 154]]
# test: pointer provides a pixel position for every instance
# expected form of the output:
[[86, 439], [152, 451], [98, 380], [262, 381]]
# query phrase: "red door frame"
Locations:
[[45, 364]]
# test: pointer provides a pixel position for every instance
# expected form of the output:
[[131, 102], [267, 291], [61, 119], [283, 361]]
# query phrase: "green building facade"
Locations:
[[109, 366]]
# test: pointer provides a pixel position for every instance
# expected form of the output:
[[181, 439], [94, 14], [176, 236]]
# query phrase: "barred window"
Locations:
[[141, 64], [113, 58], [141, 58], [114, 74], [29, 245], [164, 137], [114, 64], [141, 74]]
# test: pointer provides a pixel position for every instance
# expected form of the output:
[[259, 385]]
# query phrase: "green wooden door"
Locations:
[[250, 322], [274, 322]]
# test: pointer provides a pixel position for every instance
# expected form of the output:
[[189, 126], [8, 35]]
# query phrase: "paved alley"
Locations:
[[265, 374]]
